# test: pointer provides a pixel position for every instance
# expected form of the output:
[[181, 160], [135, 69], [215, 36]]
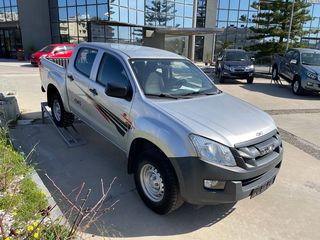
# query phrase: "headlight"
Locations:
[[250, 68], [312, 75], [212, 152], [227, 67]]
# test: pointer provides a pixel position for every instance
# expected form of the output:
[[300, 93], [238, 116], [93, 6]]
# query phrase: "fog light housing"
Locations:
[[213, 184], [310, 84]]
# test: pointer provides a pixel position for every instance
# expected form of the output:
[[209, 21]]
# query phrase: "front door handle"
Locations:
[[70, 77], [93, 91]]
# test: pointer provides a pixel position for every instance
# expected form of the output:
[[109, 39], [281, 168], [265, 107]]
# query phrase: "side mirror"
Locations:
[[219, 58], [119, 90], [253, 59], [294, 61], [55, 52]]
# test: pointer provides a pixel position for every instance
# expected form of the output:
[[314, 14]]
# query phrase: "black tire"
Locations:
[[296, 86], [250, 80], [275, 73], [171, 198], [66, 119]]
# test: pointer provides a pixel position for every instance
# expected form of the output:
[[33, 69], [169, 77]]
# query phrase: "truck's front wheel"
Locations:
[[59, 115], [157, 183]]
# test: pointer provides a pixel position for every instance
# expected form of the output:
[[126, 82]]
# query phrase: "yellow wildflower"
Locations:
[[7, 238], [18, 232], [43, 193], [10, 194], [14, 213], [35, 224], [38, 229], [30, 228], [36, 235]]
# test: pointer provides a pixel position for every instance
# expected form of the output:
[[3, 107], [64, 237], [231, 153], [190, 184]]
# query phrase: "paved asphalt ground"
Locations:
[[290, 209]]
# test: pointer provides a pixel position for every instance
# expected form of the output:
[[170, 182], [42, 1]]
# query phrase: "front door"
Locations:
[[111, 114]]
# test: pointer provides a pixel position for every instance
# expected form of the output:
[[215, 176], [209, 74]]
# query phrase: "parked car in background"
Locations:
[[185, 140], [234, 64], [64, 50], [300, 67]]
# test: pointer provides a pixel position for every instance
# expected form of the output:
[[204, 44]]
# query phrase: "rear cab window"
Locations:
[[84, 60]]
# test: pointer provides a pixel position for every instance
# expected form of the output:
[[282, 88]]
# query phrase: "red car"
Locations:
[[64, 51]]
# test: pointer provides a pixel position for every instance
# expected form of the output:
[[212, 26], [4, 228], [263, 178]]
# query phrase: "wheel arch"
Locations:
[[51, 89]]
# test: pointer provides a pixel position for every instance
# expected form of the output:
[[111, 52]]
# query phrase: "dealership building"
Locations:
[[166, 24]]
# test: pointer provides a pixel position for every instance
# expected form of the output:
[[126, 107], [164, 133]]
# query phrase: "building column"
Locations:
[[209, 40], [192, 38]]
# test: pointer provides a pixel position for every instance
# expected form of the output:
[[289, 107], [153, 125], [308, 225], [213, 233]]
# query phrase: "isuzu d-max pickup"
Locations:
[[185, 140]]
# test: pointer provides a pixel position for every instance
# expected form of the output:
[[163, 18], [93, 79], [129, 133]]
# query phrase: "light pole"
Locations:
[[290, 26]]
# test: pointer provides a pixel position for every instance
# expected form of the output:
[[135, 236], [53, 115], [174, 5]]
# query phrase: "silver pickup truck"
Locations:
[[185, 140]]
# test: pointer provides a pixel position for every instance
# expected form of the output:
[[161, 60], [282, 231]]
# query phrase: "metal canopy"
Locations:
[[188, 31]]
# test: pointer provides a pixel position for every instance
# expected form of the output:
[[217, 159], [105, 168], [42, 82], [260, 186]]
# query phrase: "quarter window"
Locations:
[[112, 71], [84, 60]]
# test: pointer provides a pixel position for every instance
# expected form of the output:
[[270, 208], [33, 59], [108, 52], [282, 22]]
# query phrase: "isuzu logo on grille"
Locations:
[[267, 149]]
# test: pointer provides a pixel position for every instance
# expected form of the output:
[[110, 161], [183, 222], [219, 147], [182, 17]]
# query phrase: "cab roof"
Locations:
[[134, 51]]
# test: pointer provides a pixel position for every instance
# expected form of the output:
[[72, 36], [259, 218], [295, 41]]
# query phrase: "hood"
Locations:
[[238, 63], [315, 69], [222, 118], [37, 55]]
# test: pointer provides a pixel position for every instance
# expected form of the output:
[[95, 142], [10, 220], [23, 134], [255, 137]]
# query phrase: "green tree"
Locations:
[[159, 12], [272, 25]]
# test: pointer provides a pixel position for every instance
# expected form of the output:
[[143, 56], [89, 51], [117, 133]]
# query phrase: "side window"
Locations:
[[288, 55], [69, 47], [112, 71], [84, 60], [296, 56], [59, 49]]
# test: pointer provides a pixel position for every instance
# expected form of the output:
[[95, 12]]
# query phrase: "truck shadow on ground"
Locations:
[[99, 159]]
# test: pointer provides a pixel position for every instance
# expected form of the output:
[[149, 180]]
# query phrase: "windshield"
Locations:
[[47, 49], [236, 56], [312, 59], [167, 78]]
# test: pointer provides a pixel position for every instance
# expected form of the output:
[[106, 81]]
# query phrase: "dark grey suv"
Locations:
[[234, 64]]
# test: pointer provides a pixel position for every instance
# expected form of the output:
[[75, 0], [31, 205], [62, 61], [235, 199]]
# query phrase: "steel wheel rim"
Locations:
[[57, 110], [152, 182], [296, 86]]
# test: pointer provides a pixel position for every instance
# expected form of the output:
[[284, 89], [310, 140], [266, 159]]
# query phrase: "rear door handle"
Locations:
[[93, 91], [70, 77]]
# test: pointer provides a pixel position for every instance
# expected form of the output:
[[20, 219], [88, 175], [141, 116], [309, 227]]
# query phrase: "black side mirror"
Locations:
[[119, 90]]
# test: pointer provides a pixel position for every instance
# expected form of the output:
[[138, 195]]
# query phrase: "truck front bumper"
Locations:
[[239, 183], [311, 85], [237, 75]]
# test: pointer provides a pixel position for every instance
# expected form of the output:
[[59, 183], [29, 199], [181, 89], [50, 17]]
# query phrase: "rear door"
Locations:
[[78, 81], [293, 68], [111, 114]]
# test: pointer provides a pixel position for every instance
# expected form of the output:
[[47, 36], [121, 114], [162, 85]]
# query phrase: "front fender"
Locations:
[[173, 140]]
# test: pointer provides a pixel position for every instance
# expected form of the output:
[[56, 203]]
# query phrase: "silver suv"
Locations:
[[184, 138]]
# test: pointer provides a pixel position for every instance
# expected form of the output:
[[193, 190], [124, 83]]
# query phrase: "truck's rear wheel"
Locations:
[[59, 115], [157, 183]]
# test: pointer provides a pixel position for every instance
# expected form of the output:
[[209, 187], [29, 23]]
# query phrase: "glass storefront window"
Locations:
[[124, 14], [103, 12], [132, 16], [92, 12], [114, 13]]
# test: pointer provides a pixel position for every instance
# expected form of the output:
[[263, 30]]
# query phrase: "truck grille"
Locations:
[[260, 153]]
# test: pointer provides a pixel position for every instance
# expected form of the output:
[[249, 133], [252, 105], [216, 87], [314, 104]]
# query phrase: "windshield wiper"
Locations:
[[163, 95], [203, 93]]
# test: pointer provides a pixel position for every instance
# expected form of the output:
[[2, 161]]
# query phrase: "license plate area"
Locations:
[[255, 192]]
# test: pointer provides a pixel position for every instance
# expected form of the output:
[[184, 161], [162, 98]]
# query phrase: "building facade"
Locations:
[[167, 24]]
